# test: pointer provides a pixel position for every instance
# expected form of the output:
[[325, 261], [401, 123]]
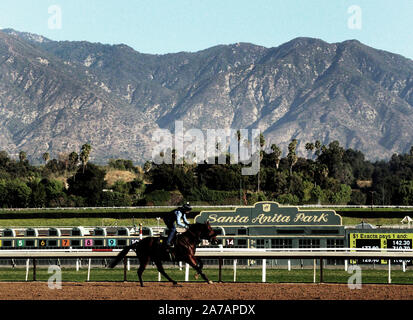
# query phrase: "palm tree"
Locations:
[[84, 155], [317, 146], [73, 159], [173, 158], [147, 166], [22, 156], [46, 157], [292, 156], [309, 146], [261, 144], [238, 160], [277, 154]]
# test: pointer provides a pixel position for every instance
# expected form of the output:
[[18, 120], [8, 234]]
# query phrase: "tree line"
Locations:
[[328, 175]]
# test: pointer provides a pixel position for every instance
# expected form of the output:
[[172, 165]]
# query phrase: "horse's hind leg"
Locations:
[[162, 271], [142, 265]]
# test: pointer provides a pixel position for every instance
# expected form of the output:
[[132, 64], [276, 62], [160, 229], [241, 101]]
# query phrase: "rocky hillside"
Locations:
[[55, 96]]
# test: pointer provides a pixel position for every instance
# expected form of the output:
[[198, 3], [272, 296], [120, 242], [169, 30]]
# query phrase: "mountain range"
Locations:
[[57, 95]]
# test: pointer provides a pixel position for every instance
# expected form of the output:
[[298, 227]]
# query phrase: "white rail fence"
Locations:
[[315, 254]]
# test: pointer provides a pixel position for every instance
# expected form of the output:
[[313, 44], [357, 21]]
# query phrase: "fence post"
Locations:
[[315, 270], [220, 270], [27, 268], [289, 265], [125, 267], [264, 270], [88, 270], [389, 262], [321, 270], [34, 269], [186, 272], [235, 270]]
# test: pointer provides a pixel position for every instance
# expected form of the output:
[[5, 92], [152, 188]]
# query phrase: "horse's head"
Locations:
[[208, 233]]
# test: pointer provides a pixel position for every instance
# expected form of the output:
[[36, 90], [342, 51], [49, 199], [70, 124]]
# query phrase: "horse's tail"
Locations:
[[120, 256]]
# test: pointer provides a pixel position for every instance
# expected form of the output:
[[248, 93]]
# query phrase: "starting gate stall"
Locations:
[[99, 235], [147, 232], [51, 241], [77, 232], [121, 239], [8, 240], [29, 241], [101, 232]]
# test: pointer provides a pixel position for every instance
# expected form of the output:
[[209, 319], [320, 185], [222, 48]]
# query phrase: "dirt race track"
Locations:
[[200, 291]]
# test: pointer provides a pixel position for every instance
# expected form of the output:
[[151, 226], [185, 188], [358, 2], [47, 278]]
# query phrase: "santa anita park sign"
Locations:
[[270, 214]]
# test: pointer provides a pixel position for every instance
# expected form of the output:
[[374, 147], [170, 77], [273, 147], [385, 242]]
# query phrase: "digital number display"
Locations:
[[400, 245], [368, 244], [382, 241]]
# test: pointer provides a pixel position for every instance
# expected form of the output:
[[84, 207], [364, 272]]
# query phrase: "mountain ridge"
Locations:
[[306, 89]]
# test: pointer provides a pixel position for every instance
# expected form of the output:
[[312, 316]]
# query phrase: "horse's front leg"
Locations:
[[192, 261], [200, 266], [162, 271]]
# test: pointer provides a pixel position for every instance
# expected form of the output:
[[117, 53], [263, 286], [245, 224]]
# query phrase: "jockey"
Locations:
[[179, 216]]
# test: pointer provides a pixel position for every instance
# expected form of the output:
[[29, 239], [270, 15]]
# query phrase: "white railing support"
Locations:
[[88, 270], [264, 270], [235, 270], [389, 262], [186, 272]]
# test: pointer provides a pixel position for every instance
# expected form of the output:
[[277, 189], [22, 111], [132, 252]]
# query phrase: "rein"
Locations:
[[196, 237]]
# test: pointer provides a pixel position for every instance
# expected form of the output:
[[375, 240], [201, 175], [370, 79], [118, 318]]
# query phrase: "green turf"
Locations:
[[243, 275]]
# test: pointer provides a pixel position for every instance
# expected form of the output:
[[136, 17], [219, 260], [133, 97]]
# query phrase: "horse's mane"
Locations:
[[198, 226]]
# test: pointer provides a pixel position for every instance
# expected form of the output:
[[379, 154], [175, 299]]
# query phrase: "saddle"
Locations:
[[170, 251]]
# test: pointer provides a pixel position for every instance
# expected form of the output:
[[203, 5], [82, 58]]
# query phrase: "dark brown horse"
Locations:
[[153, 248]]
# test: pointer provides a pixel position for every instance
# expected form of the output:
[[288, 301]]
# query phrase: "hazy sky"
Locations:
[[165, 26]]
